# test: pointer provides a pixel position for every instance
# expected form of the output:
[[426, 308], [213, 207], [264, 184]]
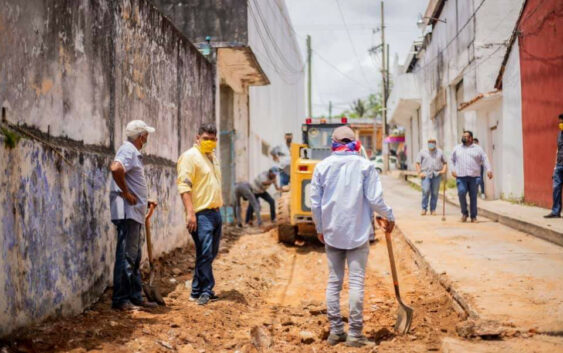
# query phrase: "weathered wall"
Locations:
[[222, 20], [541, 69], [72, 74]]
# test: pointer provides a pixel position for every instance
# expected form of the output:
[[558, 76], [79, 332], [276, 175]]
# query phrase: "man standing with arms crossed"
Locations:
[[199, 184], [466, 160], [128, 206], [345, 191], [430, 165]]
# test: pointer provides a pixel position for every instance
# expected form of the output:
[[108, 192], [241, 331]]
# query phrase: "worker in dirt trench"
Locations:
[[345, 191], [199, 184]]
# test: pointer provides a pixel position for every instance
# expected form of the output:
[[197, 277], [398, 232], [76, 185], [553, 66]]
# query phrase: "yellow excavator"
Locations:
[[294, 217]]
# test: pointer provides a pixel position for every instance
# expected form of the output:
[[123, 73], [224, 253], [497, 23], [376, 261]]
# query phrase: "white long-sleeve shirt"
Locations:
[[467, 160], [345, 191]]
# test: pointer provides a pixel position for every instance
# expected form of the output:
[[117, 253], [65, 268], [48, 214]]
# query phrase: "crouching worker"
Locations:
[[128, 206], [345, 191]]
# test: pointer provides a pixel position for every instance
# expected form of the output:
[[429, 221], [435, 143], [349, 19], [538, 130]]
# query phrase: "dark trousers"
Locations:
[[268, 198], [127, 285], [467, 185], [481, 181], [206, 240], [557, 184]]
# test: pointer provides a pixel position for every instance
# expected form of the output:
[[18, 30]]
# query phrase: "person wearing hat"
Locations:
[[128, 206], [345, 191], [243, 190], [260, 187], [430, 165]]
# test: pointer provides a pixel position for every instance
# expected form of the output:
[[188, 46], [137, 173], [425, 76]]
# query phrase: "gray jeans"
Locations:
[[357, 260], [243, 190]]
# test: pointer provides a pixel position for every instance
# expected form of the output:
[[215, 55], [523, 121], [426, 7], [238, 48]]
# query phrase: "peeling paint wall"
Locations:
[[72, 74]]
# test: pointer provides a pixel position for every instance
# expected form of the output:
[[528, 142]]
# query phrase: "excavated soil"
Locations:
[[272, 299]]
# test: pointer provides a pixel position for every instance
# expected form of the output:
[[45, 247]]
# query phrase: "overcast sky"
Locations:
[[323, 21]]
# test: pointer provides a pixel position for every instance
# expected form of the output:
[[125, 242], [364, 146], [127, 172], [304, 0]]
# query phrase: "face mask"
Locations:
[[207, 146], [431, 146], [561, 126], [463, 140]]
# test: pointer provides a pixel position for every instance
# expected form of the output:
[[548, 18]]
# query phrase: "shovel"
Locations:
[[444, 197], [151, 290], [405, 313]]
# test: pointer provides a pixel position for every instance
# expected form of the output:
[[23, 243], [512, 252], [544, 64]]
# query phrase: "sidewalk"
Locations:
[[528, 219], [493, 271]]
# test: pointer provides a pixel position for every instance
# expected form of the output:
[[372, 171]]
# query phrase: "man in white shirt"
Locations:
[[345, 191]]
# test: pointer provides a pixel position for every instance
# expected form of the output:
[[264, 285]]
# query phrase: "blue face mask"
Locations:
[[431, 146]]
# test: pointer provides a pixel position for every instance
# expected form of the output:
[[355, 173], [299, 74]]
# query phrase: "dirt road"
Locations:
[[272, 299]]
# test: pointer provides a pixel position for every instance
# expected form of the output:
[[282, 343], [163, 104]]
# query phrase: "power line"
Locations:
[[351, 41], [338, 70]]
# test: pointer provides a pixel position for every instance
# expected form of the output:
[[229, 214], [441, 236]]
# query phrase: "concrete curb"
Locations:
[[523, 226]]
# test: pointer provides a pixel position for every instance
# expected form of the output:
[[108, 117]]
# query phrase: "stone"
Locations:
[[486, 329], [307, 337], [260, 337], [176, 271]]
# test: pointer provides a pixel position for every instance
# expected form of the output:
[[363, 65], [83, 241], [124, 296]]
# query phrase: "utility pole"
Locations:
[[330, 109], [309, 75], [384, 47]]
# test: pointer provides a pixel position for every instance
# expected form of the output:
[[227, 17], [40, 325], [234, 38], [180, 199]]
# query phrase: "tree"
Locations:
[[359, 107]]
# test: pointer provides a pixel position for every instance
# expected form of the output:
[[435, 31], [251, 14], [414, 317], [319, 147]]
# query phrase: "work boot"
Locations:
[[126, 306], [359, 341], [335, 338], [144, 303], [464, 218], [551, 215], [474, 220], [423, 213]]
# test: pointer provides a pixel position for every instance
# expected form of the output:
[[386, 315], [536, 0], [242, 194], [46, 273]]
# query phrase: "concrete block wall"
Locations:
[[72, 74]]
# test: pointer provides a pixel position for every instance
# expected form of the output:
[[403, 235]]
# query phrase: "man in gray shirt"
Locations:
[[128, 206], [259, 187], [430, 165], [244, 191]]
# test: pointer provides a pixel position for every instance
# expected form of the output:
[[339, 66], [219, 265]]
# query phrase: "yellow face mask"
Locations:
[[561, 126], [207, 146]]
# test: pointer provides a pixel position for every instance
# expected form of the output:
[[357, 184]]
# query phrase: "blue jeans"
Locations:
[[268, 198], [465, 185], [557, 184], [481, 181], [206, 239], [127, 285], [284, 178], [430, 188]]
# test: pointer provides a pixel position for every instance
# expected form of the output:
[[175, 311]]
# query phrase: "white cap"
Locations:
[[136, 127]]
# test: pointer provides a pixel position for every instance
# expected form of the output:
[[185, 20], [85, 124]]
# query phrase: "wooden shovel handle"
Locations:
[[152, 206]]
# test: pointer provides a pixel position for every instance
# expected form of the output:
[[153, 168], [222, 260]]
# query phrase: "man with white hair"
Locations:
[[430, 165], [345, 191], [128, 206]]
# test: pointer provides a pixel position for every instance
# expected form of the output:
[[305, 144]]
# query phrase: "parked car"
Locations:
[[378, 161]]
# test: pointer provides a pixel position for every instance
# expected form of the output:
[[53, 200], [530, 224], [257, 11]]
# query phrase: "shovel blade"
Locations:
[[153, 294], [404, 319]]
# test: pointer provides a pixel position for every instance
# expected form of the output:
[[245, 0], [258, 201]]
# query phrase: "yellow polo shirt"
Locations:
[[200, 176]]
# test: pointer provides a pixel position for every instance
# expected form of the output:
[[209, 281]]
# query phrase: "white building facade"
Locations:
[[447, 85]]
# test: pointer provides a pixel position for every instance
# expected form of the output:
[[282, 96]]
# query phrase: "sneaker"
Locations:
[[214, 298], [551, 215], [144, 303], [473, 220], [127, 306], [464, 218], [203, 299], [359, 341], [433, 213], [423, 213], [335, 338], [193, 299], [482, 196]]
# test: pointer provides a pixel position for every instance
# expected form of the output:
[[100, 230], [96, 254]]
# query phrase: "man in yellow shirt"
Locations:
[[199, 184]]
